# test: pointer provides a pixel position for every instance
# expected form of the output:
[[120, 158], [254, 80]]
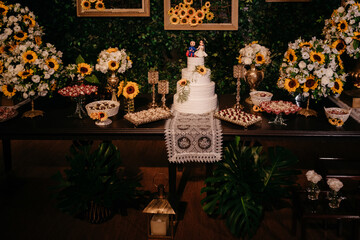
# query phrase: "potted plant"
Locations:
[[94, 187], [247, 182]]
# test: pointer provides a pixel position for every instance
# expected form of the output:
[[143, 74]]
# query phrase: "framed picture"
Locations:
[[201, 15], [113, 8]]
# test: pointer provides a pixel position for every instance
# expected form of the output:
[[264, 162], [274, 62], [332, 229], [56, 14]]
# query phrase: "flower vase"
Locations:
[[313, 191], [113, 82], [130, 105], [253, 77], [334, 199], [79, 110], [33, 113], [306, 111]]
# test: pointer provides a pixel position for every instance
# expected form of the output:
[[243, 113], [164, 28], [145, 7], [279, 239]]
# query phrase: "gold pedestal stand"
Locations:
[[238, 74], [33, 113], [308, 112], [253, 77], [113, 82], [163, 89], [153, 78]]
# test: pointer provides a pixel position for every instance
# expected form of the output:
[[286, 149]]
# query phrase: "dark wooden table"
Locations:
[[56, 125]]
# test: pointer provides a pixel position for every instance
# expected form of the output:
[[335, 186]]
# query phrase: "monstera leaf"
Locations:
[[246, 182]]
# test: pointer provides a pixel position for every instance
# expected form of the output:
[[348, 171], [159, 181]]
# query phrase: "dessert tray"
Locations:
[[147, 116], [7, 113], [337, 116], [280, 106], [110, 107], [237, 116]]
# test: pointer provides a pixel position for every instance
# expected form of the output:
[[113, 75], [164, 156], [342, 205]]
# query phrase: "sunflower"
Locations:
[[102, 116], [85, 4], [317, 57], [182, 13], [188, 2], [205, 9], [92, 1], [342, 26], [200, 14], [207, 4], [171, 11], [176, 12], [29, 56], [239, 59], [177, 7], [52, 63], [339, 45], [84, 69], [184, 21], [3, 9], [187, 6], [194, 22], [111, 50], [113, 65], [183, 82], [38, 40], [131, 90], [290, 55], [305, 44], [356, 36], [291, 84], [100, 6], [339, 122], [191, 11], [8, 90], [260, 59], [1, 67], [174, 19], [257, 108], [181, 5], [209, 16], [200, 21], [332, 121], [310, 84], [29, 21], [128, 59], [20, 36], [201, 69], [25, 74], [120, 88], [338, 86]]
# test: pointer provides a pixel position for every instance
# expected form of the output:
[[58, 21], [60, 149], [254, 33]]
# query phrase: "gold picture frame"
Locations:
[[287, 1], [233, 25], [143, 11]]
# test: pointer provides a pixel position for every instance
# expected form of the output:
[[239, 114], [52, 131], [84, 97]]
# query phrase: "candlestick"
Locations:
[[153, 78], [163, 89], [239, 72]]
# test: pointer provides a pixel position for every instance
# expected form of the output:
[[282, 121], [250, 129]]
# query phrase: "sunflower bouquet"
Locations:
[[31, 70], [129, 90], [311, 68], [17, 25], [342, 30], [254, 53], [185, 14], [92, 4], [113, 60]]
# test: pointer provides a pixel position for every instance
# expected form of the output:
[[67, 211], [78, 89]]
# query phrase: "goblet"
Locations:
[[163, 89]]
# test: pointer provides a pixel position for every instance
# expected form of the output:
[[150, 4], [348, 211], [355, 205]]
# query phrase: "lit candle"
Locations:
[[159, 224]]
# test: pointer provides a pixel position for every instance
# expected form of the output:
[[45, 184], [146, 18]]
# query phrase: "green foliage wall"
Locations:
[[149, 45]]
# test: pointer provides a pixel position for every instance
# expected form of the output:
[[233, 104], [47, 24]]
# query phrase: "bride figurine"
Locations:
[[201, 50]]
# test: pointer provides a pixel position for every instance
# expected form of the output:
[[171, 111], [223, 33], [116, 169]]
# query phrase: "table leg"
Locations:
[[6, 144]]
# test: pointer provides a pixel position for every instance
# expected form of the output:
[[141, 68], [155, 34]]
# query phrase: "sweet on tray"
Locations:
[[237, 116], [280, 106], [147, 116]]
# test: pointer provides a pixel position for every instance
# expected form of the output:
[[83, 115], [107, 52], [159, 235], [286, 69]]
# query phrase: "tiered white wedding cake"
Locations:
[[195, 92]]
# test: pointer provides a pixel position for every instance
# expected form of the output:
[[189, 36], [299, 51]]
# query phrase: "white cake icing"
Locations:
[[202, 97]]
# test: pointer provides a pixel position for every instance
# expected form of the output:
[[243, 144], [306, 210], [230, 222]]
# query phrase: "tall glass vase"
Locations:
[[130, 105], [80, 111], [313, 191]]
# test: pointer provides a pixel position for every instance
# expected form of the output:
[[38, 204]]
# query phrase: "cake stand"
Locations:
[[279, 108]]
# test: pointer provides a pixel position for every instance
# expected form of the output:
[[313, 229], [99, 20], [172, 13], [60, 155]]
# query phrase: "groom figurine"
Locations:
[[192, 49]]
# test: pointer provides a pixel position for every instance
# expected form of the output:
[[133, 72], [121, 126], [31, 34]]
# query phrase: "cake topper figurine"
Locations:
[[191, 51], [201, 50]]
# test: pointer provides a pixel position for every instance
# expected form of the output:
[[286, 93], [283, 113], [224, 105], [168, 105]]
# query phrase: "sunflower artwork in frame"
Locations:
[[113, 8], [200, 15]]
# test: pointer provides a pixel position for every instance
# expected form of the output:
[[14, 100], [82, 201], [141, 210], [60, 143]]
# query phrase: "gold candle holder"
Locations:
[[239, 72], [153, 78], [163, 89]]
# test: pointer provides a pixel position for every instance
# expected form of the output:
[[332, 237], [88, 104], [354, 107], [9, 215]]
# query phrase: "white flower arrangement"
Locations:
[[342, 30], [17, 24], [313, 177], [335, 184], [113, 60], [31, 70], [254, 53], [312, 68]]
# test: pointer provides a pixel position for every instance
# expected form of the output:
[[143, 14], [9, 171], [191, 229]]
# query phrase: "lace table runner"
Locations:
[[193, 138]]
